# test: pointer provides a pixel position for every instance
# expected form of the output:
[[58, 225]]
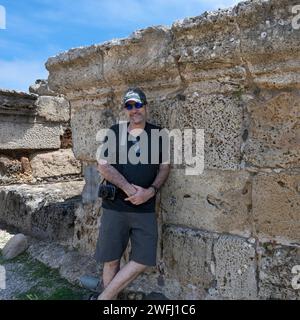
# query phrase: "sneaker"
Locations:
[[91, 283]]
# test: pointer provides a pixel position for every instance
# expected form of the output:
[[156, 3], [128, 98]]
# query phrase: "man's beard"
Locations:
[[137, 118]]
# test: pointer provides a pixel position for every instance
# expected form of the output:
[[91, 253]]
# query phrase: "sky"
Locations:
[[31, 31]]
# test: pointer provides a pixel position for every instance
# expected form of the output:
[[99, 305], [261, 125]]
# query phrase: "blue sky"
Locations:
[[38, 29]]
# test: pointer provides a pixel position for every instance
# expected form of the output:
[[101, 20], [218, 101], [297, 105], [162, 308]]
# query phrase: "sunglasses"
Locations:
[[137, 105]]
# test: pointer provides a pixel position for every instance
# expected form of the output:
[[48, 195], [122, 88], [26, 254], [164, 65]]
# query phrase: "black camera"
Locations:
[[107, 191]]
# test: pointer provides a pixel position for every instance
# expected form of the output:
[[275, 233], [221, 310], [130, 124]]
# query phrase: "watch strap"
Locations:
[[155, 188]]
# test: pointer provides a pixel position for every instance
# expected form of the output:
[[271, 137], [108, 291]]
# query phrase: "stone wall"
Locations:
[[232, 232], [40, 179]]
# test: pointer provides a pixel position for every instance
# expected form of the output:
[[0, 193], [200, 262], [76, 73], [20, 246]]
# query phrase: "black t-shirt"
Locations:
[[141, 174]]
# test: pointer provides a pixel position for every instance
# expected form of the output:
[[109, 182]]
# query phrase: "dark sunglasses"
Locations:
[[129, 106]]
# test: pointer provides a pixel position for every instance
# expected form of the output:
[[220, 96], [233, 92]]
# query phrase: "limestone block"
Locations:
[[187, 255], [86, 227], [207, 49], [216, 201], [75, 69], [19, 133], [207, 41], [55, 164], [224, 263], [14, 102], [269, 44], [221, 118], [143, 57], [20, 125], [45, 211], [15, 246], [275, 271], [274, 131], [53, 109], [276, 206], [235, 268], [86, 122]]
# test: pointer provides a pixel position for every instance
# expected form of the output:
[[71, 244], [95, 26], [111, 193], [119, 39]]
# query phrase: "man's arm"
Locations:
[[142, 195], [109, 173], [163, 173]]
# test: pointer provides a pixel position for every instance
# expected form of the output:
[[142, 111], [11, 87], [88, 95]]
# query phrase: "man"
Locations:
[[131, 215]]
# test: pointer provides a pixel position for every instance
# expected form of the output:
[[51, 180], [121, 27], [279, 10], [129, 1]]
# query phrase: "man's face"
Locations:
[[135, 115]]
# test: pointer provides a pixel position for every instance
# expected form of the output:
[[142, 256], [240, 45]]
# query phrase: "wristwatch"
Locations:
[[155, 189]]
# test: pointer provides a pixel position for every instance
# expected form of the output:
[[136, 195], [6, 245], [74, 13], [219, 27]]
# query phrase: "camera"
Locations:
[[107, 192]]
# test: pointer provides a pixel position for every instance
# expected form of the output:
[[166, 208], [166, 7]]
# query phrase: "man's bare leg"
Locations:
[[122, 279], [110, 269]]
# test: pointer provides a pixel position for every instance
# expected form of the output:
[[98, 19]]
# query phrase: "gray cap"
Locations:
[[135, 94]]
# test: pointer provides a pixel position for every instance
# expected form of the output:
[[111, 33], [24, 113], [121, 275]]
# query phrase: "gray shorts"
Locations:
[[118, 227]]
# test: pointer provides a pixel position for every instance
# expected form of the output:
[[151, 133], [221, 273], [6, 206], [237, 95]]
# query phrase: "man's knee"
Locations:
[[139, 266], [112, 264]]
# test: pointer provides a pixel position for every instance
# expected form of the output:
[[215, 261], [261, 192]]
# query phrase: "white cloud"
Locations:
[[20, 74]]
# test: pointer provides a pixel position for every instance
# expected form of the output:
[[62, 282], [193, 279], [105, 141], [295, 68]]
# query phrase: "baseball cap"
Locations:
[[135, 94]]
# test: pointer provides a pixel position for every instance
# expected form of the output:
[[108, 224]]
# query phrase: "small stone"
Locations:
[[15, 246]]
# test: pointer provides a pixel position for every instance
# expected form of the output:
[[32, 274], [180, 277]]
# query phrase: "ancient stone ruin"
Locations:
[[232, 232]]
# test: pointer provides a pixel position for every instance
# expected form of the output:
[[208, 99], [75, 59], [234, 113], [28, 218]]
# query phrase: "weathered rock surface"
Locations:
[[275, 271], [41, 88], [53, 109], [15, 246], [210, 262], [217, 201], [233, 73], [276, 207], [55, 164], [45, 211], [21, 125]]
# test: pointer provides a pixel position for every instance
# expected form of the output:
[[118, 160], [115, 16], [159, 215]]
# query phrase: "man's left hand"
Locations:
[[142, 195]]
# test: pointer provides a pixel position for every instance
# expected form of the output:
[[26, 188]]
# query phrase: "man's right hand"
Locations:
[[130, 190]]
